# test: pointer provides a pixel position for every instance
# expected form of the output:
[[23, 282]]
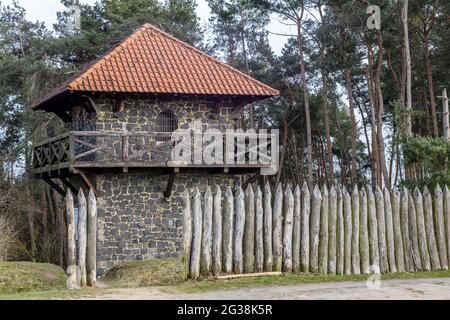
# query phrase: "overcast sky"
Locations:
[[45, 10]]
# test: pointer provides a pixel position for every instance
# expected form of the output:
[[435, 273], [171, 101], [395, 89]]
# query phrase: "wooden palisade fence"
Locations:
[[81, 255], [324, 231]]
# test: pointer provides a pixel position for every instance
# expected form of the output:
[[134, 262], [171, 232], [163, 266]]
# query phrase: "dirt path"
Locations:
[[388, 289]]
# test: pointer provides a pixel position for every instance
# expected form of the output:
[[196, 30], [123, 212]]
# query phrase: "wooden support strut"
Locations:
[[91, 105], [53, 185], [86, 181], [69, 185], [169, 186]]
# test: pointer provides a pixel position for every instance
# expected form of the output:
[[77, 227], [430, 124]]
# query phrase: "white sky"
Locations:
[[45, 10]]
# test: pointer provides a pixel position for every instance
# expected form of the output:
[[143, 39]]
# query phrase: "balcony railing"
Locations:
[[104, 149]]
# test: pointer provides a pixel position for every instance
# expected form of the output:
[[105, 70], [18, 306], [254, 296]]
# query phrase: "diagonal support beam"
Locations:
[[250, 180], [69, 185], [87, 181], [54, 185], [169, 186]]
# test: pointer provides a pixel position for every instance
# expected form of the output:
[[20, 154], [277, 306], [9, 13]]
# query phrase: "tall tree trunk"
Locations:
[[306, 101], [407, 53], [380, 113], [244, 52], [348, 81], [430, 82], [326, 123], [374, 159]]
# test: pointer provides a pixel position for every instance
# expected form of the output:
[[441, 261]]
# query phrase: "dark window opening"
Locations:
[[166, 122]]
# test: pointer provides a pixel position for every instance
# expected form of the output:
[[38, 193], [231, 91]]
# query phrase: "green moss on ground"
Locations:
[[155, 272]]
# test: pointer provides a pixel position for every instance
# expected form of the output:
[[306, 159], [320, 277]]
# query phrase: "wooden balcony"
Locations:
[[91, 151]]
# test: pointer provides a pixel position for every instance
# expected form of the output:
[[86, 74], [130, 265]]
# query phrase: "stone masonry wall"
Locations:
[[135, 221]]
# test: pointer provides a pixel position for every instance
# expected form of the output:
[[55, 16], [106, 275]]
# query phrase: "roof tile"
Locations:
[[152, 61]]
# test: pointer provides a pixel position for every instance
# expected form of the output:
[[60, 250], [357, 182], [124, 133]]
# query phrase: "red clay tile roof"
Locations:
[[152, 61]]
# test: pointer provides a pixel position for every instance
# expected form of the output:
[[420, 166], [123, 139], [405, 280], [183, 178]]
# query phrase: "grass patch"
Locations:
[[293, 279], [155, 272], [36, 281], [20, 277]]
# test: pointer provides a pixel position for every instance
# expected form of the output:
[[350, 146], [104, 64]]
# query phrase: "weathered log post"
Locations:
[[277, 229], [316, 203], [296, 230], [249, 231], [447, 218], [429, 230], [323, 236], [196, 249], [356, 261], [259, 254], [228, 231], [217, 232], [373, 231], [379, 201], [389, 231], [82, 228], [440, 225], [416, 261], [206, 253], [268, 249], [364, 234], [398, 240], [421, 233], [187, 234], [332, 219], [348, 232], [340, 231], [304, 232], [287, 229], [405, 229], [445, 115], [71, 243], [238, 262], [91, 250]]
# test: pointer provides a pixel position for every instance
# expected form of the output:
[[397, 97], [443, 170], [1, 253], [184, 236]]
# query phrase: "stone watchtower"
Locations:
[[120, 112]]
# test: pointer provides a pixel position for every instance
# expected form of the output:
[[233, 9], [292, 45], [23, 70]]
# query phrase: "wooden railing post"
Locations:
[[71, 146]]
